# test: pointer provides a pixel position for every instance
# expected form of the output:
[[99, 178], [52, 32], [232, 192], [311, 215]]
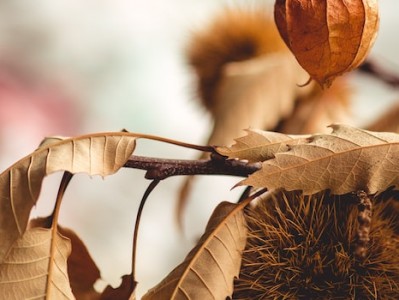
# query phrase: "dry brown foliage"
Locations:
[[330, 37], [320, 216]]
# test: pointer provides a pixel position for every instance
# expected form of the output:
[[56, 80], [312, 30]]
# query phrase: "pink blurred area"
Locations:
[[30, 109]]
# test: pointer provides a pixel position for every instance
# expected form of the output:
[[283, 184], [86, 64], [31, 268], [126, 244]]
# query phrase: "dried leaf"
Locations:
[[329, 37], [256, 93], [348, 159], [98, 154], [82, 270], [126, 290], [209, 269], [259, 145], [24, 274], [235, 34], [320, 109], [389, 121]]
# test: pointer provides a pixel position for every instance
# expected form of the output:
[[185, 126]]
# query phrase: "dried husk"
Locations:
[[301, 247], [328, 37]]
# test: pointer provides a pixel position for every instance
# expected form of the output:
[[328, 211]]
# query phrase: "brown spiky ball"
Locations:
[[302, 247], [236, 34]]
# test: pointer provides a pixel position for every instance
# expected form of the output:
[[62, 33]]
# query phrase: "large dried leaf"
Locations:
[[328, 37], [82, 270], [256, 93], [98, 154], [348, 159], [209, 269], [24, 274], [259, 145]]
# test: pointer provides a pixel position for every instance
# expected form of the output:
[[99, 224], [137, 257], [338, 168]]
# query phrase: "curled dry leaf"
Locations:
[[347, 160], [209, 269], [98, 154], [328, 37], [256, 93], [82, 270], [24, 274], [259, 145], [126, 290]]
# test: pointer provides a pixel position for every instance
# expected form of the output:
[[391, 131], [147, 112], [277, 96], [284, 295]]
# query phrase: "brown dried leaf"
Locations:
[[259, 145], [348, 159], [209, 269], [126, 290], [320, 109], [24, 274], [329, 37], [389, 121], [98, 154], [256, 93], [82, 270]]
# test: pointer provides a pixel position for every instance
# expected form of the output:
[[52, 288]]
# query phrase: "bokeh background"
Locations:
[[71, 67]]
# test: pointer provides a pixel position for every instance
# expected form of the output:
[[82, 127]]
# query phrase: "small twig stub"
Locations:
[[364, 219]]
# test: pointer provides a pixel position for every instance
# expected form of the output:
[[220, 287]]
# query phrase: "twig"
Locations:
[[148, 191], [373, 69], [160, 168], [364, 219]]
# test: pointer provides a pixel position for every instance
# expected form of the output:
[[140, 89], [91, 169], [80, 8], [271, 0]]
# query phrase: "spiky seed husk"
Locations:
[[236, 34], [301, 247]]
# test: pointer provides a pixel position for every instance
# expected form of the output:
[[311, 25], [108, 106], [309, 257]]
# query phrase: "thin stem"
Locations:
[[147, 192], [159, 168], [373, 69], [66, 178], [170, 141]]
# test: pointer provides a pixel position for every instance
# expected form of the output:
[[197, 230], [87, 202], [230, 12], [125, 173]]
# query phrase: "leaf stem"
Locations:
[[66, 178], [160, 168], [147, 192]]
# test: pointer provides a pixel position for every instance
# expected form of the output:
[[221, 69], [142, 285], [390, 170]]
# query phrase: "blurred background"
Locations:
[[74, 67]]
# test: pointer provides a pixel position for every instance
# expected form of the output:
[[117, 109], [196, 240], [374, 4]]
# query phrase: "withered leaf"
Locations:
[[320, 109], [98, 154], [24, 274], [209, 269], [329, 37], [388, 121], [259, 145], [256, 93], [348, 159], [82, 270], [126, 290]]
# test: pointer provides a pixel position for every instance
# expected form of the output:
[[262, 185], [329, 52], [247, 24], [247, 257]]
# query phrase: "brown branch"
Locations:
[[364, 219], [373, 69], [160, 168]]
